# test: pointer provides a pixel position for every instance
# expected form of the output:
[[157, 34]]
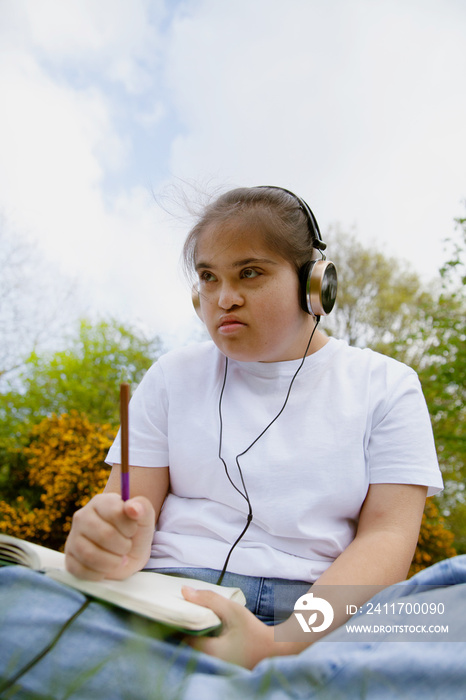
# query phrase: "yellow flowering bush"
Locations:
[[64, 468], [435, 541]]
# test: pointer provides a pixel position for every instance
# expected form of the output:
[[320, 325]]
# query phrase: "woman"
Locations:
[[271, 452]]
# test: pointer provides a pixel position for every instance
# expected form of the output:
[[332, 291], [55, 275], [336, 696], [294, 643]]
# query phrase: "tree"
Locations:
[[84, 377], [442, 371], [435, 541], [383, 305], [64, 469], [379, 298], [33, 301]]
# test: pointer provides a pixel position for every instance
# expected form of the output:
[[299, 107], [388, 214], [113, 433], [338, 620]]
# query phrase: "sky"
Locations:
[[114, 111]]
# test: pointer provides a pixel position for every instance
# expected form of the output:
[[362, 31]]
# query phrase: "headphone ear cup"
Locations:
[[196, 300], [319, 284]]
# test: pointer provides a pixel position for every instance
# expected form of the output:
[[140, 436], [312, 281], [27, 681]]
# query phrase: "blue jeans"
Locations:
[[109, 654], [270, 599]]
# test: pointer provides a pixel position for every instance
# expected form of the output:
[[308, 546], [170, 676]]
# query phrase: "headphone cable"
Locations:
[[245, 494]]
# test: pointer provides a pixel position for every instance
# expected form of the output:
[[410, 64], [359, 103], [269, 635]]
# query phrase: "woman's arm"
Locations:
[[111, 538], [386, 538], [380, 554]]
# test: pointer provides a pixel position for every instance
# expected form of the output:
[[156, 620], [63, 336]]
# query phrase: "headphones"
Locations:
[[317, 278]]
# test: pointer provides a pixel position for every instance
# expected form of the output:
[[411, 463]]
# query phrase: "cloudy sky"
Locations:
[[109, 107]]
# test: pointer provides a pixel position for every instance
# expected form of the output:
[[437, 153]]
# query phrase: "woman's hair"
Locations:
[[275, 212]]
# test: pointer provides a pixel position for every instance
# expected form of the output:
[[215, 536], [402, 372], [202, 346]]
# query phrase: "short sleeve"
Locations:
[[148, 417], [401, 446]]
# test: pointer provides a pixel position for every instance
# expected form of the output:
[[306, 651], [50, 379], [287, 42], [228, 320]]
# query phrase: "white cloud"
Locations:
[[61, 143], [356, 106], [149, 118], [113, 39], [56, 144]]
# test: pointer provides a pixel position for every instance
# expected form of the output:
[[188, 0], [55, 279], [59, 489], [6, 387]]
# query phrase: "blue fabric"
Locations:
[[107, 653], [267, 598]]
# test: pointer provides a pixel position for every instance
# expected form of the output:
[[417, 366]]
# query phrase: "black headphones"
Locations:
[[317, 278]]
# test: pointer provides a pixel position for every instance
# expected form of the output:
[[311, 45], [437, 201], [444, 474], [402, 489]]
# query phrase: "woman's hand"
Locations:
[[244, 640], [110, 538]]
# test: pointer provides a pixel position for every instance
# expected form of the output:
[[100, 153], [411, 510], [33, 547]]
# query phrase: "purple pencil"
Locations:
[[124, 428]]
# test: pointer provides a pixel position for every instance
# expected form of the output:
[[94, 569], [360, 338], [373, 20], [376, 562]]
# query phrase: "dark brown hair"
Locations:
[[275, 212]]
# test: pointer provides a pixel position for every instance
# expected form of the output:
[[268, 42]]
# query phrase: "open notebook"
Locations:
[[155, 596]]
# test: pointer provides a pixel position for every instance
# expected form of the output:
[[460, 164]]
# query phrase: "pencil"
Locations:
[[124, 428]]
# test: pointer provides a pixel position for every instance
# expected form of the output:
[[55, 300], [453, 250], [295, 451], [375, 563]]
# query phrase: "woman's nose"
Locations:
[[229, 296]]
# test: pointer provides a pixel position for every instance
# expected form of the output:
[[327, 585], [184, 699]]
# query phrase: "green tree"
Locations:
[[379, 298], [84, 377], [384, 305], [442, 371], [36, 301]]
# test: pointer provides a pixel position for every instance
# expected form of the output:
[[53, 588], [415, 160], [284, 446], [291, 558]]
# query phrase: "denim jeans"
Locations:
[[109, 654], [270, 599]]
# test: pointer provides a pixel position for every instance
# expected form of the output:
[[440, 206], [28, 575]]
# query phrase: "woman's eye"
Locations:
[[207, 277], [249, 273]]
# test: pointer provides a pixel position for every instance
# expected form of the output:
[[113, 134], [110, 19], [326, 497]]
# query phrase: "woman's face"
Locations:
[[249, 296]]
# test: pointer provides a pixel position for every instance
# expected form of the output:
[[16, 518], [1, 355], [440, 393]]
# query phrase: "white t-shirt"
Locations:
[[354, 417]]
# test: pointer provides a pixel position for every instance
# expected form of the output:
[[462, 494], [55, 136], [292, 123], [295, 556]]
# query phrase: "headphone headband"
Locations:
[[312, 224]]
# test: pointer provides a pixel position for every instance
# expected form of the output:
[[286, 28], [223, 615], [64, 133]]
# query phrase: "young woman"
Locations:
[[271, 453]]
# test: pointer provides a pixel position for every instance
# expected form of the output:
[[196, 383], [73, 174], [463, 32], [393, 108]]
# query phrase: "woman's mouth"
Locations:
[[230, 325]]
